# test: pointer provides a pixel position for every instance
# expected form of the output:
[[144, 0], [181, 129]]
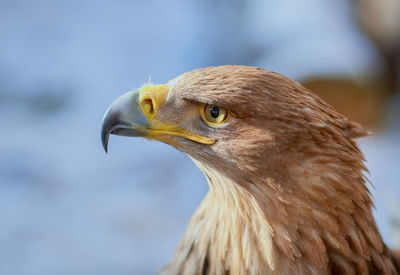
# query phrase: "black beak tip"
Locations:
[[110, 120], [106, 128], [104, 138]]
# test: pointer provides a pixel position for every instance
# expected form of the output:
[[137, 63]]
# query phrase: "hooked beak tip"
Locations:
[[105, 144], [104, 138], [109, 122]]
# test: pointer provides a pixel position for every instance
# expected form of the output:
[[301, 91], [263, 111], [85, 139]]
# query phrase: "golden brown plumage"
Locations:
[[287, 194]]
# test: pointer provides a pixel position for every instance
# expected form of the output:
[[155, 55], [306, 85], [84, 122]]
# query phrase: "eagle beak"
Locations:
[[134, 114], [124, 117]]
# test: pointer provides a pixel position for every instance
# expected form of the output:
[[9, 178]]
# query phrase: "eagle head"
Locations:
[[243, 121], [287, 193]]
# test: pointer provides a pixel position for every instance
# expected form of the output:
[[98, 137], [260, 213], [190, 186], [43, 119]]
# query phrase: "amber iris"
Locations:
[[214, 115]]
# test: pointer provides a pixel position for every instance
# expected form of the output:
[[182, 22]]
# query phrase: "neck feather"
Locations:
[[258, 229]]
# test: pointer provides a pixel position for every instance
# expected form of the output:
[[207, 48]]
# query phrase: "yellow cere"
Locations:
[[151, 98]]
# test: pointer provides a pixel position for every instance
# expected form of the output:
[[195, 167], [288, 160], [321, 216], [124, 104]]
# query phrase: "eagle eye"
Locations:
[[214, 115]]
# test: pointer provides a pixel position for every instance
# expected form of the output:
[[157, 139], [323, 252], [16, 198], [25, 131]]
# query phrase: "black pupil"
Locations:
[[214, 111]]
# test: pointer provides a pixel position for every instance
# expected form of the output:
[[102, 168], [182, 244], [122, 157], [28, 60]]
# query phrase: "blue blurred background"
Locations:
[[67, 208]]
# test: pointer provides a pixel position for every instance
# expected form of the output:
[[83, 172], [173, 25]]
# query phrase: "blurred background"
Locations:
[[67, 208]]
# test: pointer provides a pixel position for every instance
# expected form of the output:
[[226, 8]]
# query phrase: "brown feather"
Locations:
[[287, 193]]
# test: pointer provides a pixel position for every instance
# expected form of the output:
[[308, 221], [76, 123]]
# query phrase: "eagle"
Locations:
[[287, 193]]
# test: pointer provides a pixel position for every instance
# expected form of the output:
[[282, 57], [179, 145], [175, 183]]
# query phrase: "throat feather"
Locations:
[[240, 230], [228, 229]]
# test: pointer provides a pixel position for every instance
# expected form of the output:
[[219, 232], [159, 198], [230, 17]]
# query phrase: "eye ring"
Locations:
[[213, 114]]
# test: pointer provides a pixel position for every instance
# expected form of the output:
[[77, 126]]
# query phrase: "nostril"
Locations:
[[148, 103]]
